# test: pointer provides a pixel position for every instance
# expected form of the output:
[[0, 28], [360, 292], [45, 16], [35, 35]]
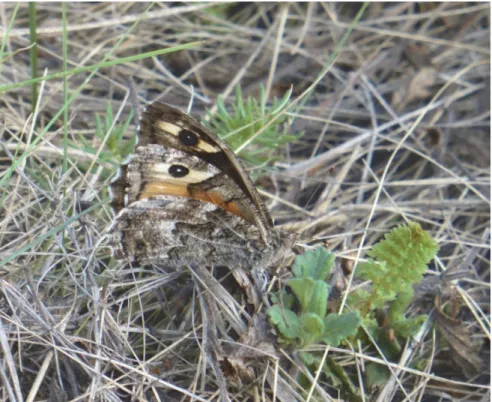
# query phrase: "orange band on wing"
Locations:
[[217, 199], [154, 189]]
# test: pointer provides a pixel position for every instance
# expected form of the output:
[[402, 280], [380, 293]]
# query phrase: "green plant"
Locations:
[[248, 117], [310, 323], [114, 142], [300, 316], [115, 149], [395, 265]]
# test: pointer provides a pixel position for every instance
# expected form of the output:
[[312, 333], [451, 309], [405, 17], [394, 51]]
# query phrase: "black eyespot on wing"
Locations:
[[187, 137], [178, 170]]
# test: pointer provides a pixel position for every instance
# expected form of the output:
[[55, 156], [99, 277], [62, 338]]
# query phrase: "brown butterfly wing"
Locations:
[[183, 197], [155, 171], [168, 231], [170, 127]]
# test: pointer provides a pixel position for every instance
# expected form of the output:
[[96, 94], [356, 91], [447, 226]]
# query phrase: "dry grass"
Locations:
[[395, 128]]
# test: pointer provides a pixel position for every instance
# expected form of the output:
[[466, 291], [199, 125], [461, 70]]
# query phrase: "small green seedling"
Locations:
[[115, 149], [118, 148], [311, 324], [396, 264], [302, 320], [248, 117]]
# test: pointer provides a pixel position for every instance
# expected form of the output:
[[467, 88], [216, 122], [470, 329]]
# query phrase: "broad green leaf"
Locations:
[[315, 264], [319, 298], [303, 288], [338, 327], [285, 299], [313, 327], [286, 322]]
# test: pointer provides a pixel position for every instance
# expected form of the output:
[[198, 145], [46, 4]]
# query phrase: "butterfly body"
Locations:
[[183, 198]]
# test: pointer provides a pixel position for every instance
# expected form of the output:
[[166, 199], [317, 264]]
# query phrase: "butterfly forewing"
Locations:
[[184, 198]]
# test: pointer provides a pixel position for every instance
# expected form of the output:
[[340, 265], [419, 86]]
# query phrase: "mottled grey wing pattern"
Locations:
[[183, 198], [176, 233], [147, 175]]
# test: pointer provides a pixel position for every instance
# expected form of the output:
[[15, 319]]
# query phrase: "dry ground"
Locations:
[[396, 126]]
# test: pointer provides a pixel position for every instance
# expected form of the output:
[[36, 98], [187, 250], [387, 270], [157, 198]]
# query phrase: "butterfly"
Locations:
[[183, 198]]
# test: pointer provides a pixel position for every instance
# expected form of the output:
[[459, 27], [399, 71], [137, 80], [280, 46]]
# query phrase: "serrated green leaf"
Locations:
[[338, 327], [398, 307], [397, 262], [315, 264], [313, 328], [285, 299], [319, 298], [407, 250], [286, 322], [303, 288]]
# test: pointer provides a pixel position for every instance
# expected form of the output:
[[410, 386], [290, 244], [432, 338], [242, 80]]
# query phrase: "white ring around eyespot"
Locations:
[[174, 130], [161, 171]]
